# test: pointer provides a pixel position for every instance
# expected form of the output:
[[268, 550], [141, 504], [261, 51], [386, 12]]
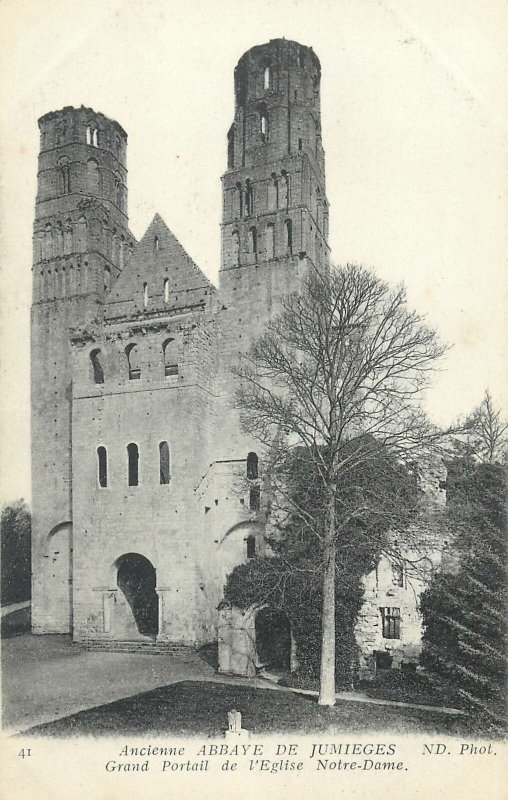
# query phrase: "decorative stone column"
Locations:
[[163, 634]]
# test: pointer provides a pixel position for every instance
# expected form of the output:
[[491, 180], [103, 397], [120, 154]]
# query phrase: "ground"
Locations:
[[107, 693]]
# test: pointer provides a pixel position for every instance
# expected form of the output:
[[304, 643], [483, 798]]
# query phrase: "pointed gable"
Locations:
[[159, 277]]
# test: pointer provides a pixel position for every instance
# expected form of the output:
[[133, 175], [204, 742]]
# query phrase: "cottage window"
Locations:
[[391, 622]]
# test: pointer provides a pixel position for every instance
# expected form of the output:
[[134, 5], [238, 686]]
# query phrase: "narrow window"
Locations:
[[97, 371], [284, 190], [102, 467], [249, 198], [88, 134], [391, 622], [107, 279], [118, 191], [93, 177], [145, 295], [273, 193], [254, 498], [231, 148], [95, 138], [169, 349], [289, 236], [252, 466], [166, 290], [131, 351], [270, 240], [156, 243], [300, 144], [164, 470], [133, 463], [264, 127], [398, 574], [266, 79], [251, 546], [239, 196], [254, 242]]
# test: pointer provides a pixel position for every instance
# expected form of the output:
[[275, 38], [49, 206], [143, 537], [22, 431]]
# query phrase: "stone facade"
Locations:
[[143, 498]]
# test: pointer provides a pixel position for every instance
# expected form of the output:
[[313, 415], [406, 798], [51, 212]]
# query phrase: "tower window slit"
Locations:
[[266, 78], [166, 290], [145, 295], [102, 466], [133, 464], [164, 463]]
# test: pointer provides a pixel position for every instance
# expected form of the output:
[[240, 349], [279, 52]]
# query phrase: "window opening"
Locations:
[[133, 462], [300, 144], [289, 236], [156, 242], [264, 127], [131, 352], [98, 372], [254, 242], [145, 295], [164, 469], [252, 466], [102, 467], [398, 574], [240, 199], [270, 240], [88, 134], [249, 198], [391, 622], [166, 290], [266, 78], [251, 546], [107, 279], [95, 138], [169, 349]]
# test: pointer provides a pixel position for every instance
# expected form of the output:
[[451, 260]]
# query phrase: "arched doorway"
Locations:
[[273, 639], [58, 579], [137, 603]]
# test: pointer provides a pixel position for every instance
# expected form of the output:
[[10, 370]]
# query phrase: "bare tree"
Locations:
[[338, 373], [486, 438]]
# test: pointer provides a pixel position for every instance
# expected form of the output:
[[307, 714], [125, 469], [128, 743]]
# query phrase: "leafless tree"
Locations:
[[486, 432], [338, 374]]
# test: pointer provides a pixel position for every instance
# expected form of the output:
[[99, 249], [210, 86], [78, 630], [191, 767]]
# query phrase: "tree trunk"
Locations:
[[327, 678]]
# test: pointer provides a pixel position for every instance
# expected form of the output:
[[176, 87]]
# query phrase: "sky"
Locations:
[[414, 100]]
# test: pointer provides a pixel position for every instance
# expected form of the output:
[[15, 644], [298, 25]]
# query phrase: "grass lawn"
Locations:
[[16, 623], [199, 708]]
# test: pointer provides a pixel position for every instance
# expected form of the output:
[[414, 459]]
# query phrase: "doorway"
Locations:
[[273, 639], [137, 606]]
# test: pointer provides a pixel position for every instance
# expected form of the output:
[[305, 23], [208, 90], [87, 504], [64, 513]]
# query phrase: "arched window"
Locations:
[[65, 181], [107, 279], [252, 466], [249, 198], [239, 199], [166, 290], [288, 226], [264, 126], [97, 371], [169, 350], [133, 464], [251, 546], [93, 176], [131, 352], [231, 147], [164, 464], [273, 193], [270, 240], [102, 467], [253, 242], [145, 295], [284, 190], [266, 78], [254, 498], [156, 243], [118, 191], [95, 137], [88, 134]]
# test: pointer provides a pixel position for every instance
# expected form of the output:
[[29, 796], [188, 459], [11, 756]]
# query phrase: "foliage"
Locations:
[[290, 581], [15, 535], [485, 434], [338, 373], [464, 608]]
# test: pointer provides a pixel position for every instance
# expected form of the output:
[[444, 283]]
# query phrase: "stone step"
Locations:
[[142, 646]]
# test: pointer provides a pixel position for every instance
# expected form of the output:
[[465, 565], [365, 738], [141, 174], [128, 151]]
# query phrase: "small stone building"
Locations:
[[146, 493]]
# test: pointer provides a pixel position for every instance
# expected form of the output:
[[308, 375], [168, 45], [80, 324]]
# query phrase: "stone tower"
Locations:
[[275, 211], [81, 241]]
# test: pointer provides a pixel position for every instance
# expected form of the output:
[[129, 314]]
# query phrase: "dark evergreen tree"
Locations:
[[464, 608], [15, 534]]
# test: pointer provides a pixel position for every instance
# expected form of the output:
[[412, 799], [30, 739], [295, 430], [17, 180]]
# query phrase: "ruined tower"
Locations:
[[275, 211], [81, 241]]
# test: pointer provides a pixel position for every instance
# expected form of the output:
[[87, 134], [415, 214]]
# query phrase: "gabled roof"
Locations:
[[158, 257]]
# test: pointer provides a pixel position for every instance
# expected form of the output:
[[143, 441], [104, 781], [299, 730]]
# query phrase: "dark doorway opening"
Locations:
[[273, 639], [136, 578]]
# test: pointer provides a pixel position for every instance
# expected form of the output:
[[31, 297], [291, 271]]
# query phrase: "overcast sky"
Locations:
[[414, 112]]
